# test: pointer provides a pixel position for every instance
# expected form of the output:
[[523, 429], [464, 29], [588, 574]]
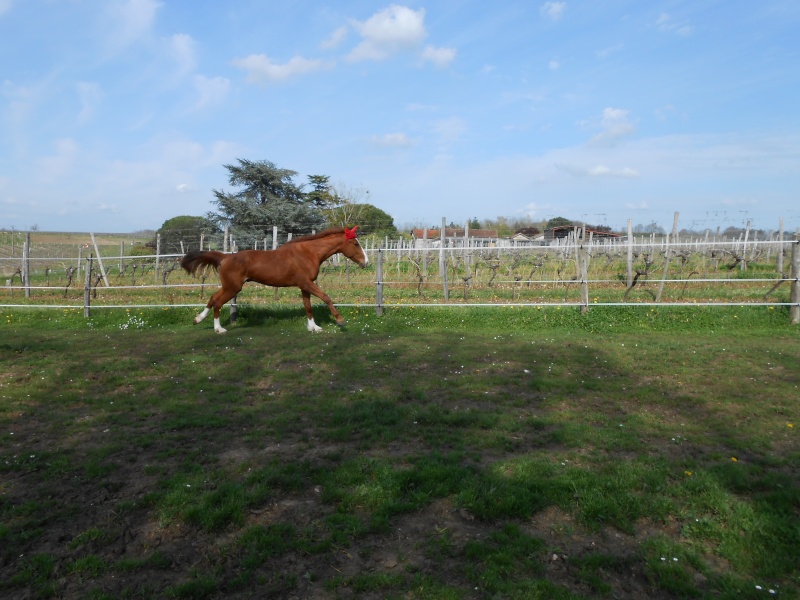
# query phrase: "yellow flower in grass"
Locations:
[[688, 473], [734, 459], [790, 425]]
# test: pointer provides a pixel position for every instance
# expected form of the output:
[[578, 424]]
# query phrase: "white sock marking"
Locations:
[[219, 328]]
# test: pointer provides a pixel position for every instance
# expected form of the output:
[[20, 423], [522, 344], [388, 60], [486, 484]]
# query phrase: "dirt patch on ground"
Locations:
[[133, 554]]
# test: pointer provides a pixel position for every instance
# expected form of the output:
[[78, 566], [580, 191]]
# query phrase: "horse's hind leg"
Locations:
[[199, 318], [222, 296], [219, 298], [311, 325]]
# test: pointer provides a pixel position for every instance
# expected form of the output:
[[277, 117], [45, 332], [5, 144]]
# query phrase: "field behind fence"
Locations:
[[112, 270]]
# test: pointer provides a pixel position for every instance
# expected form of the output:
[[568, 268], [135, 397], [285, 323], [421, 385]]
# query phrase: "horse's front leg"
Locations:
[[313, 288], [311, 325]]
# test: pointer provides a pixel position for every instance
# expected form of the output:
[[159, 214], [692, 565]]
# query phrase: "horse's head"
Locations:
[[352, 247]]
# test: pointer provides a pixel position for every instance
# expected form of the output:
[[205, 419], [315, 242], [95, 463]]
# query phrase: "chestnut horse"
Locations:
[[295, 264]]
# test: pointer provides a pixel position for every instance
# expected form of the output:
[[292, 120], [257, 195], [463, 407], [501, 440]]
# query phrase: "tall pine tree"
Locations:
[[267, 197]]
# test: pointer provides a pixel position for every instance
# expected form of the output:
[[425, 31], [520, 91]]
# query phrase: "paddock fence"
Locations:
[[577, 271]]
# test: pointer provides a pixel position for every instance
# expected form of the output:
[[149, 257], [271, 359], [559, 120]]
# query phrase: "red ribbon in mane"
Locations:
[[350, 234]]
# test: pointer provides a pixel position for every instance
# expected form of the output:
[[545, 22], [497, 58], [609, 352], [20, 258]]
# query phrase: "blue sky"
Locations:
[[116, 115]]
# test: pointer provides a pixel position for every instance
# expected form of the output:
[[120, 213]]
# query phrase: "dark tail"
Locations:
[[196, 260]]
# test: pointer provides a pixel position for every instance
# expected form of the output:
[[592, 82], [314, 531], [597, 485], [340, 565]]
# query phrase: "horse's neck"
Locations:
[[327, 247]]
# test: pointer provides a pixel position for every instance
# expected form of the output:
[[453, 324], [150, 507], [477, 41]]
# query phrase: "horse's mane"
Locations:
[[316, 236]]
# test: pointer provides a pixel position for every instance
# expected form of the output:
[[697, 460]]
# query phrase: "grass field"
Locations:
[[449, 453]]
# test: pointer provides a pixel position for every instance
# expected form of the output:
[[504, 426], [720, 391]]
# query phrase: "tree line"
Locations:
[[265, 196]]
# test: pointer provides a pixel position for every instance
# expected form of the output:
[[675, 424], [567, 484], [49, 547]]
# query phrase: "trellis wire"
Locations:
[[567, 249]]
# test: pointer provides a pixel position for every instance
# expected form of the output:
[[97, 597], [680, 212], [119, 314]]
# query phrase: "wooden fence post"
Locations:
[[26, 264], [583, 272], [424, 250], [670, 241], [379, 283], [100, 261], [441, 246], [158, 256], [794, 310], [87, 287], [630, 252]]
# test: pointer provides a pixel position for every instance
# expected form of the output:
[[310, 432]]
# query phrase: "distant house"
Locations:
[[454, 237], [557, 233]]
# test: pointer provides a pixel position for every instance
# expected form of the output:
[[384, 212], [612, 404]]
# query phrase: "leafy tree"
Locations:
[[322, 194], [184, 229], [652, 227], [370, 219], [559, 222], [375, 221], [474, 223], [268, 197]]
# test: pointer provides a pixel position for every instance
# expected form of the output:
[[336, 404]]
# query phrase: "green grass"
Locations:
[[428, 453]]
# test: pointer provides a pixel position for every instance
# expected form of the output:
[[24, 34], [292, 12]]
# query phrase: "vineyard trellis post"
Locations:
[[442, 265], [630, 252], [379, 283], [670, 240], [794, 311], [26, 264], [425, 250], [100, 261], [87, 287], [583, 271], [158, 257]]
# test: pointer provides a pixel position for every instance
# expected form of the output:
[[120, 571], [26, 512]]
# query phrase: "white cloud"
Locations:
[[609, 51], [598, 171], [20, 102], [184, 187], [535, 210], [335, 39], [182, 49], [211, 90], [90, 95], [450, 129], [641, 205], [389, 31], [615, 125], [553, 10], [134, 18], [554, 65], [5, 6], [666, 24], [415, 107], [396, 140], [260, 69], [441, 57], [60, 163]]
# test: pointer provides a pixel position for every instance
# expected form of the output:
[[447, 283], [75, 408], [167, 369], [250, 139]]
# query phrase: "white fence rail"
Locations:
[[565, 264]]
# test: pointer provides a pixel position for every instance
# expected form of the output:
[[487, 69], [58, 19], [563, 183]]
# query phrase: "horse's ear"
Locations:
[[350, 234]]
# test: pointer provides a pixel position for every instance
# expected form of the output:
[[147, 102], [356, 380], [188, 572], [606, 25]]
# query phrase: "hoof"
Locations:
[[221, 330]]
